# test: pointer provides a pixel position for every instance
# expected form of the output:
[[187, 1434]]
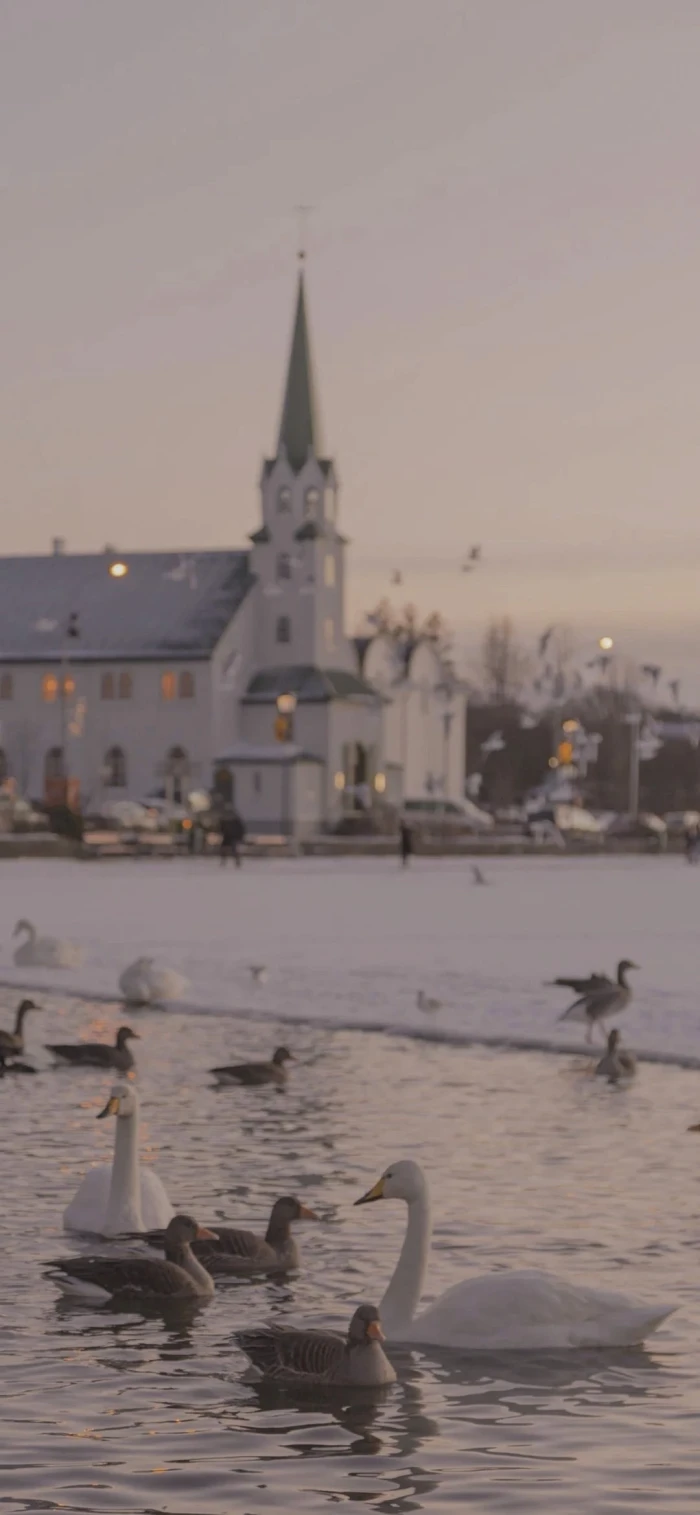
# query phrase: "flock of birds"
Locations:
[[167, 1256]]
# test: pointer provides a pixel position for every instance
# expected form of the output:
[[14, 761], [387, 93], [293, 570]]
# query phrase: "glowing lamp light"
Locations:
[[380, 782], [118, 570], [571, 726], [339, 780], [606, 644], [554, 762], [286, 704]]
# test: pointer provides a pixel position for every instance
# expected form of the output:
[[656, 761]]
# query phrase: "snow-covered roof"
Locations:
[[270, 752], [168, 604]]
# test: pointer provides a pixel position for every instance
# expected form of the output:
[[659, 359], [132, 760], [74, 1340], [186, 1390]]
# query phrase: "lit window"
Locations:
[[125, 686], [284, 629], [68, 685], [284, 499], [329, 632], [49, 688], [329, 570], [284, 565], [107, 686], [115, 768], [185, 685], [6, 686], [168, 686], [311, 503]]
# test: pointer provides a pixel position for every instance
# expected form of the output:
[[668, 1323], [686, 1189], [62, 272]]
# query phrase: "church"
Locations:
[[125, 675]]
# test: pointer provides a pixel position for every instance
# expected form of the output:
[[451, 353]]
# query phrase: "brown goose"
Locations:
[[177, 1276], [13, 1041], [97, 1054], [237, 1251], [617, 1063], [595, 1005], [273, 1072], [321, 1357]]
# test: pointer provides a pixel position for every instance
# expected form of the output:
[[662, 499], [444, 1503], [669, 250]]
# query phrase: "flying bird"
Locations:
[[544, 640], [397, 576]]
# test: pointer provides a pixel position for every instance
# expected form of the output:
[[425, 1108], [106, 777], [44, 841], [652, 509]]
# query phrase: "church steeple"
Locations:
[[299, 428]]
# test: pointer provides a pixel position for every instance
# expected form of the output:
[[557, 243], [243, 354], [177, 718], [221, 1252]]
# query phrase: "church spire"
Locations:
[[299, 429]]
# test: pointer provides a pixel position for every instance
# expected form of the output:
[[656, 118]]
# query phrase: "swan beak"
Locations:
[[694, 1128], [374, 1332], [111, 1107], [377, 1192], [204, 1235], [306, 1214]]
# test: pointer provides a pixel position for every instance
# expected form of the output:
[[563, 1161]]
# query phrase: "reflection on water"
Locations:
[[530, 1165]]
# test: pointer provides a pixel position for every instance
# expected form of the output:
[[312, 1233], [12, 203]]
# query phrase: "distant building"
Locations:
[[138, 673]]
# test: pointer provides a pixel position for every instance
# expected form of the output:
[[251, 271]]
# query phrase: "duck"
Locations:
[[273, 1072], [13, 1041], [44, 951], [120, 1197], [97, 1054], [289, 1355], [424, 1002], [617, 1063], [134, 1279], [144, 984], [595, 1005], [236, 1251], [515, 1309]]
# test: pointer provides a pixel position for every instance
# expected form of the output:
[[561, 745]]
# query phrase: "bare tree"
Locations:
[[504, 662]]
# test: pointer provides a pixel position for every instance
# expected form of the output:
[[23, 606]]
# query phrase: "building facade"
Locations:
[[144, 673]]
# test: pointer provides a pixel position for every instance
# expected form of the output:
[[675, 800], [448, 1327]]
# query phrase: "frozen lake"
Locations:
[[531, 1163]]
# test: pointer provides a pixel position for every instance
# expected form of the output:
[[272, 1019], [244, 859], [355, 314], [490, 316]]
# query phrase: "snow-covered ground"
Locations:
[[351, 941]]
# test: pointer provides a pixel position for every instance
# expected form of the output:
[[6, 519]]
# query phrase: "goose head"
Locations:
[[22, 1009], [401, 1180], [125, 1034], [282, 1056], [284, 1212], [123, 1102], [624, 966], [182, 1230], [364, 1327]]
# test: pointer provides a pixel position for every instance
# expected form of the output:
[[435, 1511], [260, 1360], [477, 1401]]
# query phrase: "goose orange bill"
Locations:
[[306, 1214], [204, 1235], [374, 1331]]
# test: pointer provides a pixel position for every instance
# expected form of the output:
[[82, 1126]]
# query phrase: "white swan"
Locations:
[[120, 1196], [143, 984], [44, 951], [496, 1311]]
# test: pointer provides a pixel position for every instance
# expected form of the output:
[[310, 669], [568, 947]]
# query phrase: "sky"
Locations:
[[503, 280]]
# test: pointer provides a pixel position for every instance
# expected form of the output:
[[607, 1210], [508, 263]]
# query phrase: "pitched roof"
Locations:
[[310, 685], [299, 429], [268, 752], [169, 604]]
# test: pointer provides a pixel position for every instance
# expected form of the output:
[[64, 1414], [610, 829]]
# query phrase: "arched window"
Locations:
[[115, 768], [284, 565], [284, 629], [185, 685], [125, 686], [284, 499], [177, 771], [107, 686], [49, 688], [329, 570], [329, 632], [53, 764], [4, 766], [6, 686], [168, 686]]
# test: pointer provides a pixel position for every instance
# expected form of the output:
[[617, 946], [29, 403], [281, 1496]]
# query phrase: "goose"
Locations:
[[132, 1279], [424, 1002], [617, 1063], [582, 985], [97, 1054], [119, 1197], [258, 973], [237, 1251], [595, 1005], [13, 1041], [525, 1309], [13, 1066], [321, 1357], [44, 951], [143, 984], [273, 1072]]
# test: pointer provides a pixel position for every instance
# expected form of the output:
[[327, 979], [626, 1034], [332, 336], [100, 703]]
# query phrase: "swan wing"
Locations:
[[530, 1309], [166, 984], [87, 1210], [156, 1209]]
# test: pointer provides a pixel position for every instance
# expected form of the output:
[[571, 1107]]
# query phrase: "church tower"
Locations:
[[298, 552]]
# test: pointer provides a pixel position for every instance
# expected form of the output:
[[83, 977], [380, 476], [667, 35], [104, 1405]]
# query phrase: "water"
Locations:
[[531, 1163]]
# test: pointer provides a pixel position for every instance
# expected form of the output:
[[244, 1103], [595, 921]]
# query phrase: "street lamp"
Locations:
[[284, 724], [606, 644]]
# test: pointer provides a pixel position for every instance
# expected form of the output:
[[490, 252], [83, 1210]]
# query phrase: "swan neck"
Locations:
[[401, 1300], [124, 1205]]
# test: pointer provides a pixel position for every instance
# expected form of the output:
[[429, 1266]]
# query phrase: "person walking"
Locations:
[[232, 835], [405, 843]]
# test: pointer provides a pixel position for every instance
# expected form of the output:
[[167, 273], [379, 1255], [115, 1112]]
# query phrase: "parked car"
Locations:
[[446, 816], [570, 821], [643, 827], [678, 822]]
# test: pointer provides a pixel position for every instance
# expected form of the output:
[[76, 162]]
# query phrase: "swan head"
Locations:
[[401, 1180], [365, 1326], [123, 1101], [23, 926]]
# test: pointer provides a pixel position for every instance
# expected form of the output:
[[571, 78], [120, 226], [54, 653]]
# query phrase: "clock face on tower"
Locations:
[[284, 498], [311, 502]]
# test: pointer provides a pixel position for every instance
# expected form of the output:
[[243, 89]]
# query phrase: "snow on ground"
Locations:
[[351, 940]]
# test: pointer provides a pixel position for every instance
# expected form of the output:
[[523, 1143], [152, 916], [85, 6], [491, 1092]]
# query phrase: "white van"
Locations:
[[447, 815]]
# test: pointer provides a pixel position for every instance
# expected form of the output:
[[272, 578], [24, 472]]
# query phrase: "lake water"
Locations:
[[530, 1162]]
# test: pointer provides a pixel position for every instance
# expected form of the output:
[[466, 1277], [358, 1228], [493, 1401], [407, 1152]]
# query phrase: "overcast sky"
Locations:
[[504, 260]]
